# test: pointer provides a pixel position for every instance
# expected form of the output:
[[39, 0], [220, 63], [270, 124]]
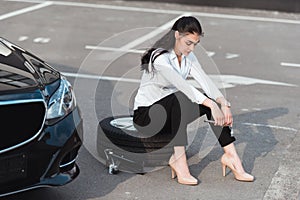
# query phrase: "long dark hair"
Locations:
[[186, 24]]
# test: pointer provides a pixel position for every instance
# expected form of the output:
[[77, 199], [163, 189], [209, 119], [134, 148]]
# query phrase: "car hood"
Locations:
[[21, 70]]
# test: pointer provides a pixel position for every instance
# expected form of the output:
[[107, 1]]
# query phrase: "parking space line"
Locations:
[[228, 81], [271, 126], [105, 6], [25, 10], [163, 11], [128, 47], [140, 51], [91, 47], [289, 64], [152, 34], [137, 51], [97, 77]]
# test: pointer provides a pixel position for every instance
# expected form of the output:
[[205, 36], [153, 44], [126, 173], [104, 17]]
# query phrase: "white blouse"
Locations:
[[168, 77]]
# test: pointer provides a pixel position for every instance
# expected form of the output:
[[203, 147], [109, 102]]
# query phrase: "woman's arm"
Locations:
[[211, 89], [162, 66], [205, 82]]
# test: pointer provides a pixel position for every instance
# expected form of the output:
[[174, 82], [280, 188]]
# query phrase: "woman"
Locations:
[[166, 103]]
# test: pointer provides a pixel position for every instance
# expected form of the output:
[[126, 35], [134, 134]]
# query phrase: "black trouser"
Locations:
[[168, 119]]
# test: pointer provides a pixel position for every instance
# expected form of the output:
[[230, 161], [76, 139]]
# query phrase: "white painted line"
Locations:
[[109, 78], [256, 109], [245, 109], [210, 53], [105, 6], [114, 49], [91, 47], [41, 40], [289, 64], [242, 80], [144, 38], [22, 38], [271, 126], [285, 183], [152, 34], [96, 77], [25, 10], [162, 11], [221, 81], [247, 18], [231, 55]]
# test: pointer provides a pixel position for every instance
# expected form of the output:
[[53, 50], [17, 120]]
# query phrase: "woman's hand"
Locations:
[[216, 112], [228, 116], [225, 107], [217, 115]]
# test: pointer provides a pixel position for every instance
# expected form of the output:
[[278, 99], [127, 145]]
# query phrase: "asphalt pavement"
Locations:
[[253, 56]]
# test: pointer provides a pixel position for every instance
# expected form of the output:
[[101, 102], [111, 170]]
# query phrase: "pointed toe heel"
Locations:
[[183, 180], [240, 176]]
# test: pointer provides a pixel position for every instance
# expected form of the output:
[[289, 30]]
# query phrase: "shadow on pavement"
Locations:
[[259, 141]]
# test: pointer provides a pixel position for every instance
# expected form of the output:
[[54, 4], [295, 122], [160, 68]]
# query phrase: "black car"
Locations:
[[41, 127]]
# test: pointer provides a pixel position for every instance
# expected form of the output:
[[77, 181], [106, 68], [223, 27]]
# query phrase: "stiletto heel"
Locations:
[[173, 176], [240, 176], [224, 170]]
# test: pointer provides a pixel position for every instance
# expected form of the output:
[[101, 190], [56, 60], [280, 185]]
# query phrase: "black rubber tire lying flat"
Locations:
[[119, 135]]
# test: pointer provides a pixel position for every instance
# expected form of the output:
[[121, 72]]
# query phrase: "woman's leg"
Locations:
[[183, 111], [165, 119], [174, 115], [179, 167], [230, 151], [230, 157], [223, 134]]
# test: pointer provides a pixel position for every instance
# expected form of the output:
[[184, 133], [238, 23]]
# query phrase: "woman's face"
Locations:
[[185, 42]]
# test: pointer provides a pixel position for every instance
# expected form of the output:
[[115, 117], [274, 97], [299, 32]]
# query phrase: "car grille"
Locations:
[[20, 123]]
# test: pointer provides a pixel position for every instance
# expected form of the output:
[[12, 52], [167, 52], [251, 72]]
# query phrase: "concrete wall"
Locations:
[[276, 5]]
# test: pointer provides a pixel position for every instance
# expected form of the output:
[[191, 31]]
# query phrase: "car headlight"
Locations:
[[61, 103]]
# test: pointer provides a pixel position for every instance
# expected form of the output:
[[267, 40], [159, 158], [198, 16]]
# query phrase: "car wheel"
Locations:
[[118, 136]]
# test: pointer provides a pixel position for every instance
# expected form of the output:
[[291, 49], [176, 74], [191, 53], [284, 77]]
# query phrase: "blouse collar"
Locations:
[[184, 69]]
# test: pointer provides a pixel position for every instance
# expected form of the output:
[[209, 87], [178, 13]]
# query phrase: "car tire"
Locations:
[[119, 135]]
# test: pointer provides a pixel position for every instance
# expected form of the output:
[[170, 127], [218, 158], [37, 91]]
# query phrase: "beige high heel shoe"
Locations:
[[240, 176], [183, 180]]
